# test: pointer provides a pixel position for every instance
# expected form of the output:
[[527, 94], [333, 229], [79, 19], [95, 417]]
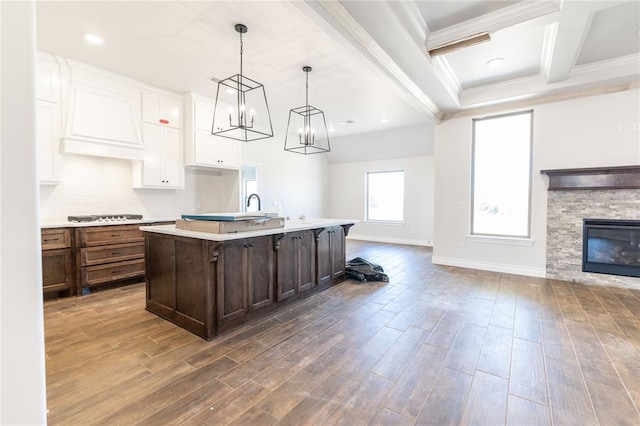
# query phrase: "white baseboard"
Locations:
[[375, 239], [489, 266]]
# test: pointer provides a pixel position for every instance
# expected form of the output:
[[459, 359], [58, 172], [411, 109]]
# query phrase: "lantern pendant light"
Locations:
[[241, 111], [307, 128]]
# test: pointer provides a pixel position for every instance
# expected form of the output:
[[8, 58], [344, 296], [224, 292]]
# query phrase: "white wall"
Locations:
[[95, 185], [299, 182], [409, 149], [576, 133], [22, 377], [404, 142], [348, 200]]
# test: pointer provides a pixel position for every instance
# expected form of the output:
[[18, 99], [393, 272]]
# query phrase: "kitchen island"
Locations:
[[211, 283]]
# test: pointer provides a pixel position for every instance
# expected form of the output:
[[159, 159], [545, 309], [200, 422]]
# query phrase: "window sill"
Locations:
[[384, 222], [514, 241]]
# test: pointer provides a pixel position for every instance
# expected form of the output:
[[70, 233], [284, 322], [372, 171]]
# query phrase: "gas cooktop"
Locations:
[[104, 218]]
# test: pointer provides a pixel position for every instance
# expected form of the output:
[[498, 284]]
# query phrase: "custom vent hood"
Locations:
[[102, 112]]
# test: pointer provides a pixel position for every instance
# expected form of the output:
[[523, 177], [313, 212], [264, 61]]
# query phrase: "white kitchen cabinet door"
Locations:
[[202, 149], [163, 109], [48, 138], [216, 152], [162, 166]]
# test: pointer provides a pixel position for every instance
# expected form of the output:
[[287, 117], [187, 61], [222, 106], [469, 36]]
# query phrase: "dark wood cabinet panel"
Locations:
[[232, 292], [331, 255], [259, 261], [245, 277], [57, 260], [295, 264], [180, 282], [192, 275], [57, 270], [160, 270]]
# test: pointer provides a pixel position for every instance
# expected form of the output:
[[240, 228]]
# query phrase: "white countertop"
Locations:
[[289, 226], [67, 224]]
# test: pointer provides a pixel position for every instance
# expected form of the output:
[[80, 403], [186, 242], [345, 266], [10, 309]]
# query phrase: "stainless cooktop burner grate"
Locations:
[[104, 218]]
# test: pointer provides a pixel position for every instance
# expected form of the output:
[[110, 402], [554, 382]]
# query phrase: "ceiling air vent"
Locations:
[[459, 44]]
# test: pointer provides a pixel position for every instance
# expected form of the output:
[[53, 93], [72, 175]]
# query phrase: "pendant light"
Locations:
[[307, 129], [241, 111]]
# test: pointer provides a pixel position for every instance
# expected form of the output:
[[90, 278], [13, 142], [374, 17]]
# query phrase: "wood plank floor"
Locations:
[[435, 345]]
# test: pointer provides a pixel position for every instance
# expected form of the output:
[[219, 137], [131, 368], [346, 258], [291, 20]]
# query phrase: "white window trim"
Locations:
[[504, 238], [496, 239], [366, 200]]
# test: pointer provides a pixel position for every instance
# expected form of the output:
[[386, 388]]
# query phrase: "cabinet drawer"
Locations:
[[103, 235], [94, 275], [52, 239], [114, 253]]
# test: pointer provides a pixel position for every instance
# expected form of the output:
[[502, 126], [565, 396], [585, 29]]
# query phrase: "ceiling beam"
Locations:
[[492, 22], [562, 44], [342, 21]]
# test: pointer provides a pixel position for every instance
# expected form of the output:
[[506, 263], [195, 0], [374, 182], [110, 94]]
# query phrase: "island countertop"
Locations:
[[290, 225]]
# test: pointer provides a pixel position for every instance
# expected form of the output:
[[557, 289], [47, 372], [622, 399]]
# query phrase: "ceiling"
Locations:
[[370, 58]]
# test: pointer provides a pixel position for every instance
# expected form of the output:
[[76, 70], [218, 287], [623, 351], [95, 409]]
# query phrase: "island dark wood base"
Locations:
[[211, 287]]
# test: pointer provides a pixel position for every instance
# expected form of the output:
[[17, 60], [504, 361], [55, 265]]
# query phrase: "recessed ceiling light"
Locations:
[[93, 39], [383, 120], [347, 122], [495, 62]]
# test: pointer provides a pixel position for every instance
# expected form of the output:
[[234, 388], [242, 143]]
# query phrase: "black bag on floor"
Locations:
[[362, 270]]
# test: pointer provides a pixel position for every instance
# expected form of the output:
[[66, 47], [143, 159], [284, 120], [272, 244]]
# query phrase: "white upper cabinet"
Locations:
[[47, 78], [163, 166], [104, 114], [48, 138], [162, 108], [202, 149], [48, 119]]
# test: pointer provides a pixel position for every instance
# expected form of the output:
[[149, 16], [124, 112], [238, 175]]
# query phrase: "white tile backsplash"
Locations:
[[96, 185]]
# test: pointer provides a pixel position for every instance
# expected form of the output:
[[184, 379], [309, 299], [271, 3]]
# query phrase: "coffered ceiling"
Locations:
[[370, 58]]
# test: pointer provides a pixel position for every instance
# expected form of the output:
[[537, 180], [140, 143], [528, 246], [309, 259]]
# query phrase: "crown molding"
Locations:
[[597, 74]]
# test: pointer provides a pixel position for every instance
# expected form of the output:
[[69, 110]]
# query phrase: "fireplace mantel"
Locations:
[[618, 177]]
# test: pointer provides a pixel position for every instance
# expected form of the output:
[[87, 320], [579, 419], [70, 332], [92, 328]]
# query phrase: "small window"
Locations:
[[501, 175], [385, 196]]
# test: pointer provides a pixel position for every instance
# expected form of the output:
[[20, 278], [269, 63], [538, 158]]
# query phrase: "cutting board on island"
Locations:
[[227, 223]]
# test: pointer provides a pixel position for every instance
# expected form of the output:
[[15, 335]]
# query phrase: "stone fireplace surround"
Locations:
[[614, 194]]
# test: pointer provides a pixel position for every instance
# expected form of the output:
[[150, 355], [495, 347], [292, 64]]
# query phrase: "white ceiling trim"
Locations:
[[491, 22], [447, 77], [372, 50], [599, 74], [563, 46]]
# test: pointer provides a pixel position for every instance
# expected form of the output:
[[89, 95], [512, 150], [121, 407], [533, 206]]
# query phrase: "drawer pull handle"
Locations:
[[119, 271], [46, 240], [117, 235], [117, 252]]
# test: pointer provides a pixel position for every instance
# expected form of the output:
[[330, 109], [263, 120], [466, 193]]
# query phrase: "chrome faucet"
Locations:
[[249, 200]]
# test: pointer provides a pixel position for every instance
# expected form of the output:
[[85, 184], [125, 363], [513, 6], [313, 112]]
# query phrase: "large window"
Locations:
[[501, 183], [385, 196]]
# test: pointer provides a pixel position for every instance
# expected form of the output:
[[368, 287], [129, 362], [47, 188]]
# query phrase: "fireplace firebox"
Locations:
[[611, 247]]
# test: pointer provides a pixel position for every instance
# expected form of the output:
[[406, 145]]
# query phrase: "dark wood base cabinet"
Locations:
[[57, 261], [211, 287]]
